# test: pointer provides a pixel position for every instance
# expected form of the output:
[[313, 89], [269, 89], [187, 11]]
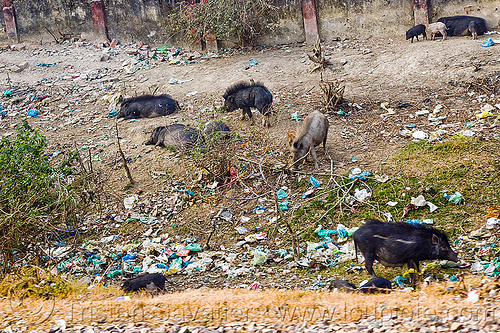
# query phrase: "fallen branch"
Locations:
[[129, 176]]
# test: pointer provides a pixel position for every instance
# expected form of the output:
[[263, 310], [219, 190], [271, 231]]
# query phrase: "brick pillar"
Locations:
[[310, 15], [421, 11], [99, 17], [9, 16]]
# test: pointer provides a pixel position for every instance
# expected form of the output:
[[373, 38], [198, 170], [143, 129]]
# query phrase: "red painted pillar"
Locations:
[[99, 17], [421, 11], [9, 16], [310, 15]]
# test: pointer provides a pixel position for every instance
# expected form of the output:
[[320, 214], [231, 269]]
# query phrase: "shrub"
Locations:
[[37, 204], [240, 20]]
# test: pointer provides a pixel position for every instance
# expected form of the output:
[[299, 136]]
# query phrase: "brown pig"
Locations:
[[309, 133], [434, 28]]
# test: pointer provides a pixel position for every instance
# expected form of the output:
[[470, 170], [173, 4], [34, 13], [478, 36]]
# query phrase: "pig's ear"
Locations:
[[230, 99], [435, 239], [297, 145]]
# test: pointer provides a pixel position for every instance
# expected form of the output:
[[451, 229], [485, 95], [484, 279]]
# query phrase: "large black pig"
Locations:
[[244, 96], [145, 281], [176, 136], [459, 25], [147, 106], [396, 244]]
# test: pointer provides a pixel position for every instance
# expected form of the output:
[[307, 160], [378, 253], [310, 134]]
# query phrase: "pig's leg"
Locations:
[[369, 258], [413, 276], [313, 154]]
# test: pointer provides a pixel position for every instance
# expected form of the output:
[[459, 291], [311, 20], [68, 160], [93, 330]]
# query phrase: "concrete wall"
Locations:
[[144, 20]]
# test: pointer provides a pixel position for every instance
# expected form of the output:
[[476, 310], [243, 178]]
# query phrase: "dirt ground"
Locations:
[[373, 70]]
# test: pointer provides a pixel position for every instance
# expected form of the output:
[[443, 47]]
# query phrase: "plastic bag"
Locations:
[[259, 258]]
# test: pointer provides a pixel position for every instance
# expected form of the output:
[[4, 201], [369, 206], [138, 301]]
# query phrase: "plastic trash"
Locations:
[[422, 112], [281, 194], [314, 181], [477, 267], [492, 223], [43, 64], [414, 222], [32, 113], [342, 231], [420, 135], [195, 247], [226, 215], [259, 210], [250, 239], [306, 194], [473, 295], [399, 280], [484, 114], [7, 93], [254, 63], [361, 195], [487, 108], [454, 198], [488, 42], [163, 48], [129, 202], [124, 298], [351, 231], [259, 258], [254, 285], [388, 216], [360, 176], [284, 205], [241, 230], [325, 233], [295, 116]]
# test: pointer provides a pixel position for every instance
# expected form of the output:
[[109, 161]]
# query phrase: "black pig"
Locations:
[[396, 244], [342, 285], [415, 31], [217, 127], [378, 284], [145, 281], [147, 106], [177, 136], [459, 25], [244, 96]]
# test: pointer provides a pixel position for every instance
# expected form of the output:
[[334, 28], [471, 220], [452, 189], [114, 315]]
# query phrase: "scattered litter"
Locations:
[[43, 64], [454, 198], [295, 116], [420, 135], [487, 43], [226, 215], [281, 194], [307, 193], [361, 195], [284, 205], [241, 230], [259, 258], [314, 181], [473, 296]]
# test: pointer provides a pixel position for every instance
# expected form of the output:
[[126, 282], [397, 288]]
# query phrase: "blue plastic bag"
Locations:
[[487, 43]]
